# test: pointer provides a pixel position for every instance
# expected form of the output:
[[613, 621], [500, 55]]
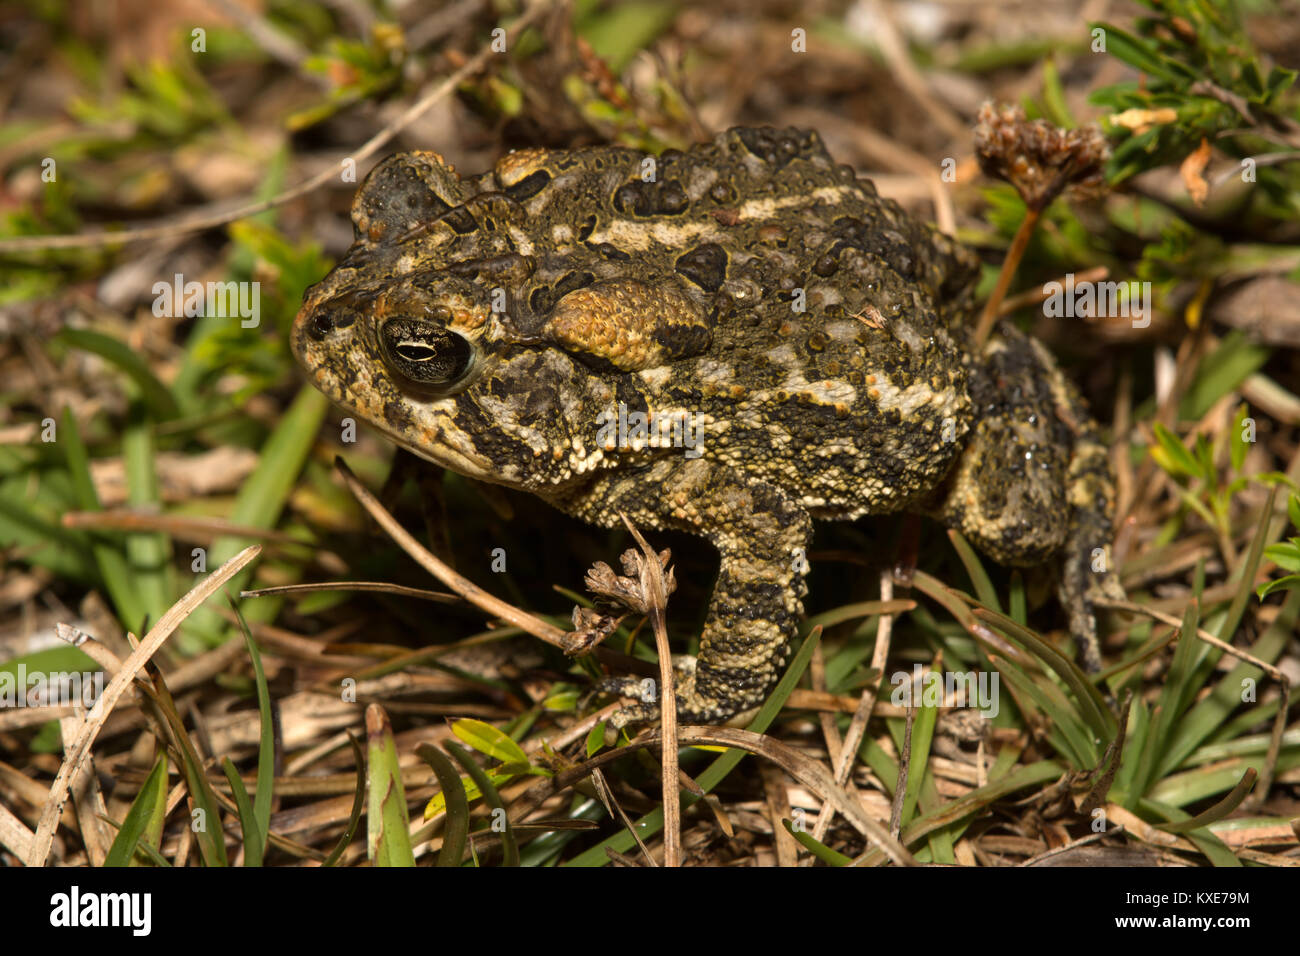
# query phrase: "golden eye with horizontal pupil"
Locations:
[[427, 356]]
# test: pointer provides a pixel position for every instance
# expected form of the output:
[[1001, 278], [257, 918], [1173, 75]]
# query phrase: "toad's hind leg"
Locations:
[[1033, 485], [1087, 572]]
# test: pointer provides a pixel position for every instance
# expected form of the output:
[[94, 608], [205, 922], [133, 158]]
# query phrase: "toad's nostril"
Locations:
[[325, 321]]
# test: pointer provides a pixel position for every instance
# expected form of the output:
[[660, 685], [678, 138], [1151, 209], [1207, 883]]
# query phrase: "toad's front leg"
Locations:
[[761, 535]]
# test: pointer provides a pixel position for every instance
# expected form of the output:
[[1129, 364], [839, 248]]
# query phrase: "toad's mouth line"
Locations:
[[429, 443], [444, 457]]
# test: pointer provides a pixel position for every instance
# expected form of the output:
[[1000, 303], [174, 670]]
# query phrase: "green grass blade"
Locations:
[[1130, 762], [1205, 782], [142, 847], [455, 831], [1219, 810], [145, 815], [358, 804], [922, 733], [155, 394], [1174, 696], [979, 799], [1172, 455], [1222, 371], [1228, 741], [259, 504], [1211, 712], [264, 493], [1246, 572], [210, 837], [984, 588], [31, 503], [509, 846], [816, 847], [1054, 95], [1016, 600], [1092, 708], [389, 834], [148, 554], [109, 560], [1215, 850], [253, 840], [940, 842], [266, 732], [489, 740], [1067, 732]]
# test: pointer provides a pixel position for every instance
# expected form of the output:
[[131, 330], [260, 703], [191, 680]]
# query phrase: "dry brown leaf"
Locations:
[[1265, 307]]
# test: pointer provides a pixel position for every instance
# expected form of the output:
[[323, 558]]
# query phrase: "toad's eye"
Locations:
[[426, 356]]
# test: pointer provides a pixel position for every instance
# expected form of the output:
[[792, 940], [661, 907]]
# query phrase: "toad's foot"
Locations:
[[693, 706]]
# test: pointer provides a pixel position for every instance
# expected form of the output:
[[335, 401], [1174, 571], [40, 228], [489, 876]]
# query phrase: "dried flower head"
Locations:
[[1040, 159], [627, 591], [591, 626]]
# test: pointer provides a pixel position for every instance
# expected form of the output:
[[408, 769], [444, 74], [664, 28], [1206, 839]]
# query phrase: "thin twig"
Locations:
[[900, 785], [377, 587], [652, 585], [1034, 296], [461, 585], [90, 727], [1072, 845], [866, 703], [893, 48]]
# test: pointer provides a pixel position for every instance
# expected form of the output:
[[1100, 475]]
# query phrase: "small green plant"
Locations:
[[359, 70], [1203, 79], [139, 836], [1200, 483], [1285, 554]]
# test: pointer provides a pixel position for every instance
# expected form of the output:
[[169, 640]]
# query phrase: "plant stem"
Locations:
[[1015, 253]]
